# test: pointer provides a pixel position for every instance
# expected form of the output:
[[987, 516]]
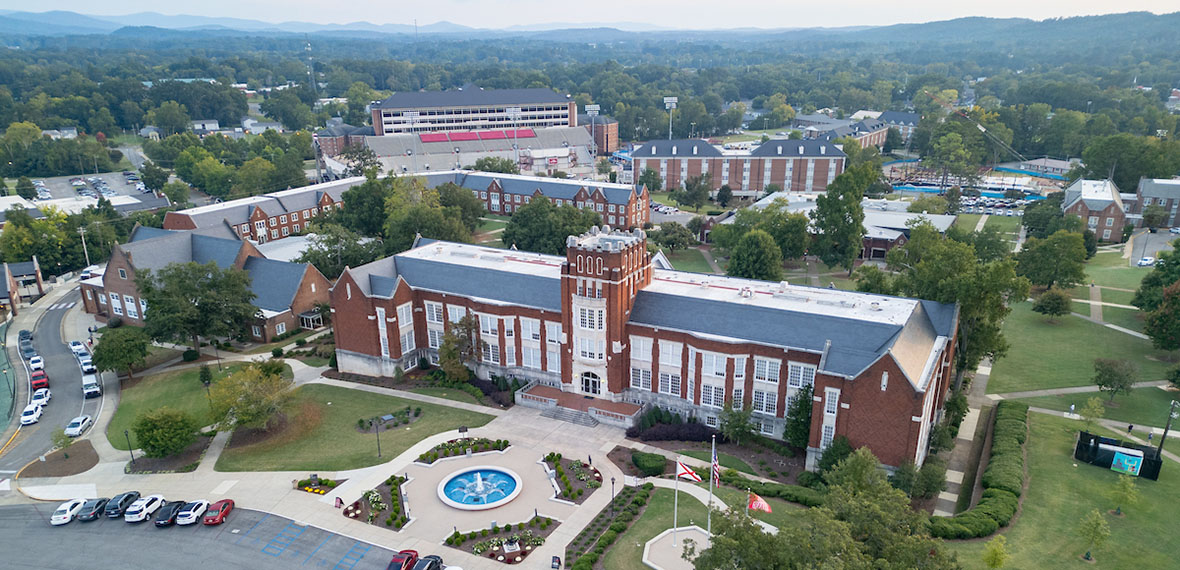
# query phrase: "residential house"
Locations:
[[1099, 205]]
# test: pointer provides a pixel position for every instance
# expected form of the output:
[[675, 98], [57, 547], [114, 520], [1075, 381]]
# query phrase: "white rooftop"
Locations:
[[468, 255]]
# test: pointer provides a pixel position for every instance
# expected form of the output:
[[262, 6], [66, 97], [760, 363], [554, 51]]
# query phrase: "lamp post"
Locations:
[[376, 425], [670, 104], [612, 497], [127, 435], [12, 389], [1172, 414]]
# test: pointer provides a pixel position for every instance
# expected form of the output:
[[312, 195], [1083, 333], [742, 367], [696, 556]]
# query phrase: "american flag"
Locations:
[[716, 470]]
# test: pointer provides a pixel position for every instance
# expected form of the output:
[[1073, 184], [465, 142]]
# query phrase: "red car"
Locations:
[[38, 379], [217, 512], [403, 560]]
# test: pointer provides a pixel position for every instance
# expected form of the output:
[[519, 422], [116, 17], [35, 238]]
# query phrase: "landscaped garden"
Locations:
[[458, 447], [381, 505], [181, 390], [576, 479], [598, 537], [510, 544], [495, 392], [320, 432]]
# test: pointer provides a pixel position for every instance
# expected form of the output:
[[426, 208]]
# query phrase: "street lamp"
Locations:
[[514, 114], [373, 423], [592, 111], [1172, 414], [127, 435], [612, 497]]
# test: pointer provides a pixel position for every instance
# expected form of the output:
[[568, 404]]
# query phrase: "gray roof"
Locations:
[[688, 148], [584, 120], [469, 96], [1160, 188], [865, 126], [274, 283], [276, 203], [159, 250], [473, 282], [343, 130], [900, 118], [396, 145], [143, 202], [141, 233], [796, 148], [528, 185], [35, 213], [1095, 194], [23, 269], [4, 292]]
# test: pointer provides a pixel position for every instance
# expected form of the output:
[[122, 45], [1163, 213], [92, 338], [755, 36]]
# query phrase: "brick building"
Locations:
[[1098, 204], [1163, 192], [905, 123], [602, 333], [286, 294], [620, 205], [604, 130], [792, 165], [332, 139], [265, 217], [869, 132], [472, 108]]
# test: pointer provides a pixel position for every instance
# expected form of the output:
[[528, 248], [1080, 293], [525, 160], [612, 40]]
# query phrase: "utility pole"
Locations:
[[1171, 416], [82, 231]]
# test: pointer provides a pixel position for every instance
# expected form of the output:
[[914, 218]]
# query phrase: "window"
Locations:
[[382, 334], [800, 375], [553, 359], [491, 353], [509, 327], [256, 331], [272, 221], [611, 209], [831, 401], [116, 305], [765, 402], [510, 355], [530, 357], [89, 294], [294, 216], [454, 314], [670, 353], [713, 364], [553, 333], [434, 338], [280, 328], [641, 348], [590, 349], [711, 421], [884, 381], [829, 433], [530, 329], [488, 325], [1105, 234], [739, 368], [766, 370], [1109, 222], [286, 232], [405, 315], [102, 300], [122, 273], [434, 312], [766, 428], [131, 310], [598, 207], [612, 219], [641, 378], [712, 396], [306, 214], [669, 383], [1093, 221], [295, 228], [283, 219], [591, 319], [274, 234]]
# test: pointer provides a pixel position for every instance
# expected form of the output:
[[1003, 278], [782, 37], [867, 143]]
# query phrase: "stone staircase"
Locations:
[[571, 416]]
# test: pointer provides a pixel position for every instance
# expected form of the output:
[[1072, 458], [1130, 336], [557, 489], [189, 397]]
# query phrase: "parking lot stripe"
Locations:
[[252, 528], [317, 549], [354, 555], [283, 539]]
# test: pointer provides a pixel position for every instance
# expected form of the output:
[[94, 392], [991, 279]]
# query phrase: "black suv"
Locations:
[[431, 562], [168, 512], [118, 505]]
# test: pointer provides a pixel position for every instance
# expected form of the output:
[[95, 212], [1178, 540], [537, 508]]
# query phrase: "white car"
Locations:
[[41, 397], [66, 512], [191, 513], [31, 415], [77, 426], [1175, 230], [1146, 261], [87, 366], [142, 509], [78, 349], [37, 363]]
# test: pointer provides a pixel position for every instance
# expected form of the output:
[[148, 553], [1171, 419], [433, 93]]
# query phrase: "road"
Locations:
[[65, 381], [134, 155], [248, 539], [1149, 244]]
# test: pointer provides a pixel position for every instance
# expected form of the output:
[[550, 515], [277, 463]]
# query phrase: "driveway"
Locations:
[[1149, 244]]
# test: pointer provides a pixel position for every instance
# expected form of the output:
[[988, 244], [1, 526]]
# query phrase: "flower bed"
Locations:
[[586, 548], [576, 479], [318, 486], [458, 447], [381, 505], [509, 544]]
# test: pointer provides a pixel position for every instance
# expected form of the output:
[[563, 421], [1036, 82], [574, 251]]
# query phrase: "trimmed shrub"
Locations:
[[300, 341], [276, 352], [189, 355], [811, 479], [650, 464]]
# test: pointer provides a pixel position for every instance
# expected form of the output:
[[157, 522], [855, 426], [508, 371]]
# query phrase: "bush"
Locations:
[[931, 479], [114, 323], [811, 480], [300, 341], [835, 453], [675, 432], [332, 361], [276, 352], [190, 355], [650, 464], [164, 431]]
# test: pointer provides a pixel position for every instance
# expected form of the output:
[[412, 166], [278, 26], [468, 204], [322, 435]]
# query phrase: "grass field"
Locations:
[[489, 225], [1126, 318], [1111, 270], [1062, 491], [967, 221], [727, 461], [1114, 296], [1003, 223], [1143, 406], [448, 393], [325, 436], [181, 390], [627, 551], [1045, 355], [690, 259], [266, 348]]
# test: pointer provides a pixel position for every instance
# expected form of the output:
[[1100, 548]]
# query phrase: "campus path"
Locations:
[[1096, 304], [708, 255], [982, 222], [960, 457], [1068, 390]]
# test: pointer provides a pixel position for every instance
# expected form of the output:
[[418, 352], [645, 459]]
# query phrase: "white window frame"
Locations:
[[280, 328], [530, 329], [530, 357], [641, 348], [552, 332], [764, 402], [831, 401], [739, 368], [800, 374], [405, 315], [827, 435], [489, 325], [671, 353], [738, 396], [713, 396], [669, 383], [434, 338], [641, 378], [256, 330], [455, 313], [434, 312], [769, 369]]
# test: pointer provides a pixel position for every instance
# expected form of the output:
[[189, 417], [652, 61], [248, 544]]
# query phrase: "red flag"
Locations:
[[686, 472], [758, 503]]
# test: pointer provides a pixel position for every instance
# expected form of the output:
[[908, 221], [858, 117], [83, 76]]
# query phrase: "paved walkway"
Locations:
[[982, 222], [708, 255], [813, 272], [960, 456], [1095, 304], [1068, 390]]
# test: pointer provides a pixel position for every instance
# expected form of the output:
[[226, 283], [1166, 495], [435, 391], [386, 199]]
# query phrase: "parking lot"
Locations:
[[60, 187], [248, 539]]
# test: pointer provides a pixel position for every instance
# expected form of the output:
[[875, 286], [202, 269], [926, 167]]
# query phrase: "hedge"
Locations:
[[794, 493], [1003, 480], [650, 464]]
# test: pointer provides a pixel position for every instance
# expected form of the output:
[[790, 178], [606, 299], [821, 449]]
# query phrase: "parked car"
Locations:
[[1175, 230], [87, 366], [217, 512], [1146, 261], [403, 560], [430, 562], [91, 387], [41, 397], [167, 514], [119, 503], [25, 335], [190, 513], [93, 509], [27, 351], [77, 426], [38, 379], [66, 512], [31, 415], [143, 508], [36, 363], [78, 349]]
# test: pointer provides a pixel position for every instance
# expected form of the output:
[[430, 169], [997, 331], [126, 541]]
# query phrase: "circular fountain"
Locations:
[[479, 488]]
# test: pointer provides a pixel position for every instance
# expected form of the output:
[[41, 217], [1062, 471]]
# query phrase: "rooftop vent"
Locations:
[[875, 306]]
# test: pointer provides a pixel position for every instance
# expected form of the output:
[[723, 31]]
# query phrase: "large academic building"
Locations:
[[791, 165], [601, 334], [472, 108]]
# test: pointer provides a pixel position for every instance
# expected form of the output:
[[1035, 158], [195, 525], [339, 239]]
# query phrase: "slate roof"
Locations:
[[238, 212], [159, 250], [853, 130], [4, 292], [900, 118], [344, 130], [396, 145], [35, 213], [682, 148], [810, 148], [527, 185], [23, 269], [1160, 188], [469, 96], [274, 283], [474, 282]]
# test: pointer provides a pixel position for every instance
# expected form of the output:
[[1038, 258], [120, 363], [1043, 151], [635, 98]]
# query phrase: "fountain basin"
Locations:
[[479, 488]]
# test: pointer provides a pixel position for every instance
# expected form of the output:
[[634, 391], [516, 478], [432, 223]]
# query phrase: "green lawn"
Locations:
[[782, 513], [1119, 297], [324, 437], [1045, 355], [1062, 491], [489, 225], [1143, 406], [448, 393], [627, 551], [181, 390], [1111, 270], [967, 221], [266, 348], [158, 355], [727, 461], [1003, 223], [690, 259], [1126, 318]]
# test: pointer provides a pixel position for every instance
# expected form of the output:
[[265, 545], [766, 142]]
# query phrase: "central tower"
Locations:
[[603, 272]]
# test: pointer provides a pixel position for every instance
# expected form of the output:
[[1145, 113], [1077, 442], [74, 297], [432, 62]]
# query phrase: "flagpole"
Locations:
[[712, 477], [748, 501], [676, 504]]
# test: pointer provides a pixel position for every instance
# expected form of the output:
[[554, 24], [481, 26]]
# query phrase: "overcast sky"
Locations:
[[696, 14]]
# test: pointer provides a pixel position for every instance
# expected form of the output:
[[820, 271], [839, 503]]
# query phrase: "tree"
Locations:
[[839, 217], [543, 227], [953, 196], [25, 188], [1092, 411], [1163, 324], [797, 432], [254, 177], [3, 187], [836, 452], [724, 195], [735, 423], [426, 220], [177, 192], [931, 478], [121, 350], [1173, 376], [951, 158], [1115, 376], [360, 160], [497, 164], [995, 552], [904, 477], [756, 257], [929, 205], [470, 207], [1094, 531], [460, 345], [603, 166], [190, 300], [1125, 492], [154, 177], [815, 540], [171, 117], [1090, 240], [1059, 259], [1154, 216], [61, 441], [672, 235], [871, 279], [696, 225], [651, 180], [893, 140], [695, 193], [286, 108], [789, 229], [1166, 272], [250, 397], [1053, 303], [164, 431], [363, 209], [205, 376], [333, 248]]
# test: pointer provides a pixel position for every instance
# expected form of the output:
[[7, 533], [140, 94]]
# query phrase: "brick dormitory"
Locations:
[[602, 325]]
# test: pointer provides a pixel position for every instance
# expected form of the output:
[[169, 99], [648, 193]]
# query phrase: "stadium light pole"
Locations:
[[670, 104], [514, 114], [592, 111], [1159, 451], [412, 116]]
